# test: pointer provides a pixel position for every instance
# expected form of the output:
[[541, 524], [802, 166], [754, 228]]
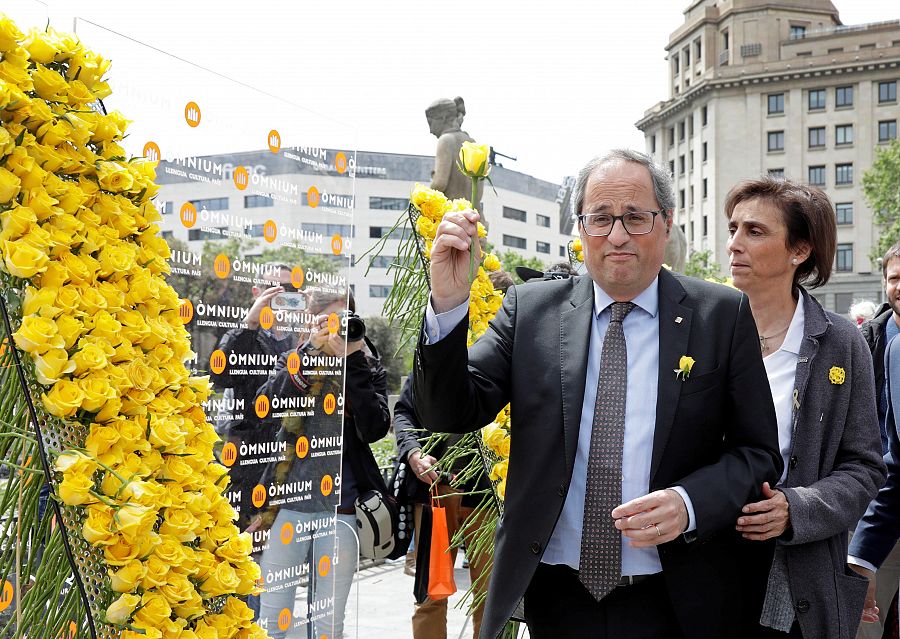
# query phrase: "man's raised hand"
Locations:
[[450, 259]]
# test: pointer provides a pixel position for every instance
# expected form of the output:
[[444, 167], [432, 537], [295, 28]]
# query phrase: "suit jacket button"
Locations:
[[561, 490], [793, 461], [536, 548], [803, 606]]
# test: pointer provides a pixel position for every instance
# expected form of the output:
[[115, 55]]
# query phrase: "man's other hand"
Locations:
[[870, 608], [653, 519]]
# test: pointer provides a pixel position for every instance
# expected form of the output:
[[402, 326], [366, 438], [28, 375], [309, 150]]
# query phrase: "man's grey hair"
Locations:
[[662, 180]]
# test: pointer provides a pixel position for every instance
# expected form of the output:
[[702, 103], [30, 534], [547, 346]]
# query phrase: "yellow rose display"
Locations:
[[21, 259], [120, 610], [126, 578], [474, 159]]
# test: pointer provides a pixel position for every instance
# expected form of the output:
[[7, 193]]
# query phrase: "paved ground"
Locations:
[[381, 605]]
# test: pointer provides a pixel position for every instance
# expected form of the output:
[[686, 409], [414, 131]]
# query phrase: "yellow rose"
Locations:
[[119, 612], [237, 610], [249, 574], [121, 552], [474, 159], [9, 34], [9, 187], [499, 470], [81, 268], [190, 609], [52, 365], [64, 399], [38, 335], [96, 392], [170, 550], [23, 260], [97, 528], [166, 434], [91, 357], [145, 633], [685, 364], [177, 589], [126, 578], [100, 439], [222, 581], [105, 326], [491, 262], [180, 524], [576, 245], [118, 259], [236, 549], [114, 177], [41, 302], [42, 46], [153, 611], [70, 329], [156, 572], [134, 520]]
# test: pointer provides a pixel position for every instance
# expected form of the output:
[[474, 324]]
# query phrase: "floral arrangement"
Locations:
[[83, 269]]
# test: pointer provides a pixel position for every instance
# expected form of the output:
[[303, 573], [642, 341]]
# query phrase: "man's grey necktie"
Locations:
[[600, 567]]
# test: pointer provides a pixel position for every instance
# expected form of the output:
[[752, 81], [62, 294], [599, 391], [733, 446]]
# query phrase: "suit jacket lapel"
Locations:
[[674, 334], [574, 343]]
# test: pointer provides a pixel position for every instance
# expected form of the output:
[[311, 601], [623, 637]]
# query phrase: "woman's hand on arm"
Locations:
[[767, 518]]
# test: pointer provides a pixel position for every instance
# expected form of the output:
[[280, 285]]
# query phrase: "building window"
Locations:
[[776, 103], [817, 175], [705, 225], [726, 41], [671, 136], [844, 258], [704, 115], [166, 208], [690, 122], [543, 220], [843, 173], [563, 252], [344, 230], [199, 234], [705, 189], [777, 174], [382, 261], [681, 202], [681, 131], [256, 201], [653, 143], [816, 99], [672, 168], [843, 134], [691, 160], [816, 137], [776, 141], [676, 64], [211, 204], [698, 50], [844, 212], [887, 130], [399, 233], [514, 214], [797, 32], [691, 195], [514, 242], [843, 97], [703, 152], [388, 203], [680, 165], [167, 235], [380, 290], [887, 92], [542, 247]]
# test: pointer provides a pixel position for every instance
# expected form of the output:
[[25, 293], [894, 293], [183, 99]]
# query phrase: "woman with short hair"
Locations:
[[782, 237]]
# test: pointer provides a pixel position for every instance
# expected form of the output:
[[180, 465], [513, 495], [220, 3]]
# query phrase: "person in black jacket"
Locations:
[[366, 420], [878, 332], [242, 382]]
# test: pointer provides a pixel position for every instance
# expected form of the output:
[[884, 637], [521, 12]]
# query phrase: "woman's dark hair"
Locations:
[[808, 216]]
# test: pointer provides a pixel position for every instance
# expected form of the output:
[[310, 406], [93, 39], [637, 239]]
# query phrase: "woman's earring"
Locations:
[[794, 261]]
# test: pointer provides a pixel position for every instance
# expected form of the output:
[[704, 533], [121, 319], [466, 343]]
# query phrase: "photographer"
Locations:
[[366, 420]]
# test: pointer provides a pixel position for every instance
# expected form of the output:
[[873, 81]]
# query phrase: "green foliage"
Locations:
[[511, 259], [881, 187], [396, 355], [701, 265]]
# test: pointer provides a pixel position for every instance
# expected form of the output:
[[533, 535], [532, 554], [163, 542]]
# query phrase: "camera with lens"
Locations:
[[352, 326]]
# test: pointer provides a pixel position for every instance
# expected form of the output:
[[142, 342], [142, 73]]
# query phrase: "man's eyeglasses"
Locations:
[[635, 222]]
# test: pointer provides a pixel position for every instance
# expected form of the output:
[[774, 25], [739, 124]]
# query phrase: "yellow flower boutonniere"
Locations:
[[836, 375], [685, 364]]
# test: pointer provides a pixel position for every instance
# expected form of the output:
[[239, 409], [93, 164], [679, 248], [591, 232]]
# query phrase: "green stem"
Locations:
[[472, 269]]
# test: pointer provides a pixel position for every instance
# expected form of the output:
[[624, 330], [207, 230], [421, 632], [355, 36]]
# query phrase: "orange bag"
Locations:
[[440, 567]]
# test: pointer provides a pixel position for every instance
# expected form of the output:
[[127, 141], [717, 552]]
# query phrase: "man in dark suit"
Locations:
[[629, 461]]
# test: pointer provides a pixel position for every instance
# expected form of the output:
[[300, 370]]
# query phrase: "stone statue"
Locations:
[[444, 120], [676, 249]]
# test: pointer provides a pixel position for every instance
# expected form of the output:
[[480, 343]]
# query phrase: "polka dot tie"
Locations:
[[601, 543]]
